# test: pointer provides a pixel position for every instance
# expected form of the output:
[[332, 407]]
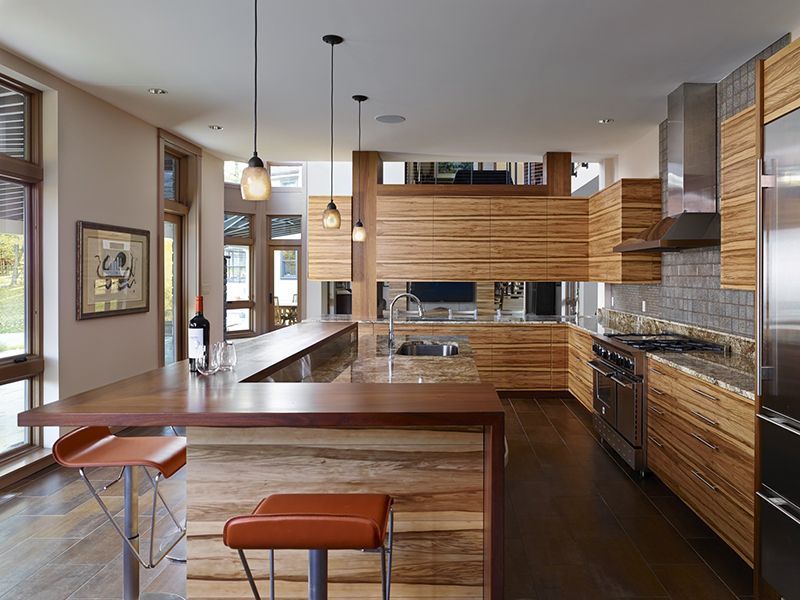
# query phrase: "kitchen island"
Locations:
[[437, 447]]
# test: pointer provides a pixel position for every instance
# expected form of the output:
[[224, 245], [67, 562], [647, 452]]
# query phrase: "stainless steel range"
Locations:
[[620, 398]]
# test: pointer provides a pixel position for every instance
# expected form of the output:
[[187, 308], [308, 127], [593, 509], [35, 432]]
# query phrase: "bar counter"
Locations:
[[436, 447]]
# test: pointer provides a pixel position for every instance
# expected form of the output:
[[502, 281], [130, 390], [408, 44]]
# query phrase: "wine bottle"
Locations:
[[199, 330]]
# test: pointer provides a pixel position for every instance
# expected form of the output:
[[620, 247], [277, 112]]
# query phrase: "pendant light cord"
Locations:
[[332, 122], [255, 77], [359, 161]]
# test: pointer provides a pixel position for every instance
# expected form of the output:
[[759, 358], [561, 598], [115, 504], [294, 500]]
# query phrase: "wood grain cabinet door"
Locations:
[[567, 239], [738, 180], [519, 239], [404, 238], [461, 239], [521, 357], [329, 250]]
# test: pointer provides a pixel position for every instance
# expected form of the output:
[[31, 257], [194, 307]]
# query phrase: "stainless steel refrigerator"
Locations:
[[778, 360]]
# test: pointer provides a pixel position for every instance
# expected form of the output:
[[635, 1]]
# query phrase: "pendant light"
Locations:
[[256, 184], [331, 219], [359, 232]]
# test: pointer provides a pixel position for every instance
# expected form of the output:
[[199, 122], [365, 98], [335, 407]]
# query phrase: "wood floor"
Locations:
[[579, 525]]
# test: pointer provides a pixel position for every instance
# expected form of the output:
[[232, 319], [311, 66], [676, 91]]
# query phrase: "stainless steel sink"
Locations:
[[420, 348]]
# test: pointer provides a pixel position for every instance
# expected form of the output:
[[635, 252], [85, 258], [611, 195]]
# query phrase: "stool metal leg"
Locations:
[[249, 574], [130, 562], [317, 575], [271, 574]]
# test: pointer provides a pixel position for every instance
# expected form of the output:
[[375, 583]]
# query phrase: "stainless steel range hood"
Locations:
[[691, 220]]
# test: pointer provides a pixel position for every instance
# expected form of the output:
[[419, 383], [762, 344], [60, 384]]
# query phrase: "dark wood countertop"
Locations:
[[173, 396]]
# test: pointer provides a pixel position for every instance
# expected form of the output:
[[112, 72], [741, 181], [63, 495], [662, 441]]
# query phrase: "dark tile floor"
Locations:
[[579, 524]]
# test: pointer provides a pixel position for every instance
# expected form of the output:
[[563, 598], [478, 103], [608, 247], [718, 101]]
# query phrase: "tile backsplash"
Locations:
[[690, 284]]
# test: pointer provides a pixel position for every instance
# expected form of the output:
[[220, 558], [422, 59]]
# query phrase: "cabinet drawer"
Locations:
[[707, 494], [707, 449], [705, 404]]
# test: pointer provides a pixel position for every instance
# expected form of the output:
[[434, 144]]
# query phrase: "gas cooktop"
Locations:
[[665, 342]]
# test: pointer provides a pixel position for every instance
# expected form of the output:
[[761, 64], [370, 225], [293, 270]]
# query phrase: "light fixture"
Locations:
[[256, 184], [216, 127], [331, 219], [390, 119], [605, 121], [157, 91], [359, 232]]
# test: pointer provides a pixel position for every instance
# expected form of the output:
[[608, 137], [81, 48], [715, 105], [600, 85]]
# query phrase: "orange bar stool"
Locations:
[[317, 523], [97, 447]]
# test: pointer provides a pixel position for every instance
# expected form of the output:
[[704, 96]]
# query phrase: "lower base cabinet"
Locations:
[[701, 443], [580, 380]]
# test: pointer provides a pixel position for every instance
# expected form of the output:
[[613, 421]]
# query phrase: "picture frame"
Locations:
[[113, 270]]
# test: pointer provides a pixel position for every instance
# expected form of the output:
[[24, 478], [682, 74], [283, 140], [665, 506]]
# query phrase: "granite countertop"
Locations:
[[733, 372], [373, 362]]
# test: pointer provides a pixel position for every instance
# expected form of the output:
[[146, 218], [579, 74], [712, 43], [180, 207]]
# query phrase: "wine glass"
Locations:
[[227, 357], [208, 364]]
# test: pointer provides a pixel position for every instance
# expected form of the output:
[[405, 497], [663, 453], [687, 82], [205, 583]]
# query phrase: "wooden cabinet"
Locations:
[[617, 213], [701, 442], [519, 239], [329, 252], [559, 357], [580, 381], [567, 239], [404, 238], [480, 340], [522, 357], [738, 180], [461, 239], [782, 82]]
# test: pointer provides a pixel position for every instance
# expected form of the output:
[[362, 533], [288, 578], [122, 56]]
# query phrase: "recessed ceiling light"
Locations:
[[157, 91], [216, 127], [390, 118], [605, 121]]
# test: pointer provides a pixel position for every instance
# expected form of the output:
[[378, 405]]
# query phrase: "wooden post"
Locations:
[[558, 173], [367, 174]]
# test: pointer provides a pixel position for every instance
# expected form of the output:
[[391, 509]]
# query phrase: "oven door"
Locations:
[[605, 392], [629, 417]]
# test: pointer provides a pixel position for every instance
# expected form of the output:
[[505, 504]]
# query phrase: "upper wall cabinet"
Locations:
[[519, 239], [738, 180], [567, 239], [782, 82], [461, 238], [404, 238], [620, 212], [329, 256]]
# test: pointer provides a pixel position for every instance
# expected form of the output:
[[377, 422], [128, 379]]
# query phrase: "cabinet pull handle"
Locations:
[[652, 408], [704, 418], [706, 394], [704, 441], [704, 480], [655, 441], [656, 391]]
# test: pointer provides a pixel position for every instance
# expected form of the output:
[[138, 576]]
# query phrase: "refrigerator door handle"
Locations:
[[763, 182], [779, 504], [781, 422]]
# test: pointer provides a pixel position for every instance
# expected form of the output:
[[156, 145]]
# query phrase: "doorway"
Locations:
[[285, 271], [173, 288]]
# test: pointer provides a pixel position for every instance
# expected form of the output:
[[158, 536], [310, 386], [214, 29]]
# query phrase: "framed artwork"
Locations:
[[113, 267]]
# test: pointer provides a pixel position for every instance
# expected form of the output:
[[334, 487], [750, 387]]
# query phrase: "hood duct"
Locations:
[[692, 220]]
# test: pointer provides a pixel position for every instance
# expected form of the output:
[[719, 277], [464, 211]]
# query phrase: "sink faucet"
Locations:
[[420, 311]]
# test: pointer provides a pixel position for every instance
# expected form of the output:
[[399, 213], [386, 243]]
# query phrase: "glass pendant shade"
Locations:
[[331, 219], [359, 232], [256, 181]]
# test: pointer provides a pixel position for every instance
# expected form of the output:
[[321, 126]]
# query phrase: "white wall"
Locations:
[[640, 158], [212, 263], [100, 164]]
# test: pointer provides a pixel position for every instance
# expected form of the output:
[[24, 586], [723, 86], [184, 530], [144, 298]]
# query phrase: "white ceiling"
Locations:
[[479, 79]]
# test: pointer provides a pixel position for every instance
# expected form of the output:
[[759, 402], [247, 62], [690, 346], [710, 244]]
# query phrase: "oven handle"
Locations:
[[598, 369], [624, 384]]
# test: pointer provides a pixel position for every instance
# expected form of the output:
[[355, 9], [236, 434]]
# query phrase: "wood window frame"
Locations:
[[29, 173], [190, 156], [250, 304]]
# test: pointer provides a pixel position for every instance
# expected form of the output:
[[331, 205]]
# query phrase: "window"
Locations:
[[238, 251], [21, 364], [287, 176], [171, 177], [285, 228]]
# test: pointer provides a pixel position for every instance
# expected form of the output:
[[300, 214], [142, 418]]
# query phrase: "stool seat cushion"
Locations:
[[98, 447], [312, 521]]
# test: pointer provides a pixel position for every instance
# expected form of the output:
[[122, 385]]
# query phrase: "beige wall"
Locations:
[[100, 165], [640, 157]]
